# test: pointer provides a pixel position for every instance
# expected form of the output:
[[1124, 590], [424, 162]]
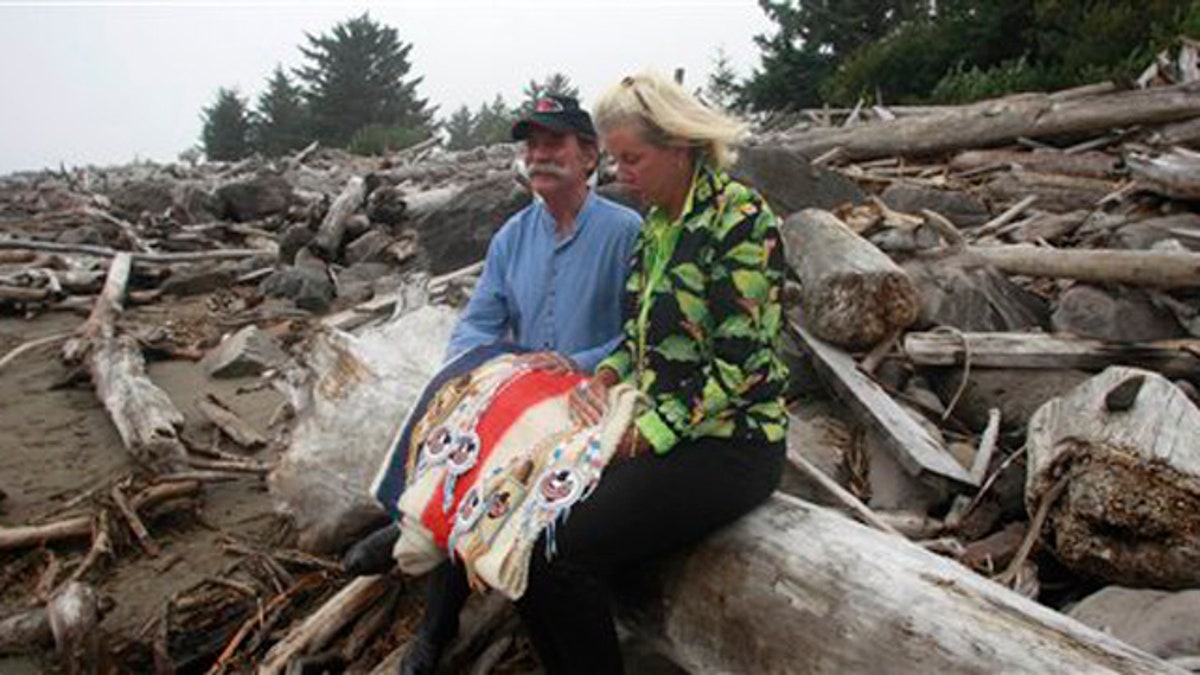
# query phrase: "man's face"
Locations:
[[556, 161]]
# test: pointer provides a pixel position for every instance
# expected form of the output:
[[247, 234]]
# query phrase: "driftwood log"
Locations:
[[143, 414], [1161, 269], [1126, 443], [1088, 164], [67, 621], [1175, 174], [76, 527], [852, 294], [333, 229], [921, 455], [315, 631], [794, 587], [1002, 121], [1175, 358], [105, 252]]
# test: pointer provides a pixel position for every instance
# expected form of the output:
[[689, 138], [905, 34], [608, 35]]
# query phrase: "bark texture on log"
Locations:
[[794, 587], [853, 295], [1127, 443], [1003, 121]]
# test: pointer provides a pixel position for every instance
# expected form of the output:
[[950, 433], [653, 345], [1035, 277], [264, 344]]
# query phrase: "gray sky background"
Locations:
[[107, 82]]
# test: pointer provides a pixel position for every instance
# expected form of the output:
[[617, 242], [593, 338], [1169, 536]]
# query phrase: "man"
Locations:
[[552, 283], [554, 272]]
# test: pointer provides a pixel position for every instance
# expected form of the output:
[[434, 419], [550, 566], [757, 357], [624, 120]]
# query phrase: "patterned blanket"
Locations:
[[487, 461]]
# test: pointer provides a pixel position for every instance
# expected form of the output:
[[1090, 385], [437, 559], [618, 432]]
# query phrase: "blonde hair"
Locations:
[[669, 117]]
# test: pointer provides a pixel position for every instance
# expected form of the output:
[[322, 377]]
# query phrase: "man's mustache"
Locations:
[[547, 169]]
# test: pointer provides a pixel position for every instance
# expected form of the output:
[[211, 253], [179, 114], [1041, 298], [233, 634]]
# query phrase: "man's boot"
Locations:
[[373, 553]]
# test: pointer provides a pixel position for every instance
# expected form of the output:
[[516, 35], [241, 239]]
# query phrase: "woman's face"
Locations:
[[655, 173]]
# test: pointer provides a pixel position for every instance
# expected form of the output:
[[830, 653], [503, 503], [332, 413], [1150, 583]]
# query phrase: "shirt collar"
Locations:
[[581, 219]]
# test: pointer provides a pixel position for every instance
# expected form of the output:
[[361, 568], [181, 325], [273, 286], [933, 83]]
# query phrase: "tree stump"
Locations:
[[1127, 444], [852, 294]]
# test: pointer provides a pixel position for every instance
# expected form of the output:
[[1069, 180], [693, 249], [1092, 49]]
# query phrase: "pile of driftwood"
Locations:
[[993, 336]]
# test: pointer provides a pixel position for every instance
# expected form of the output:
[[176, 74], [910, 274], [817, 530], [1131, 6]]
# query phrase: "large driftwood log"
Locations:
[[1003, 121], [1127, 445], [1162, 269], [916, 449], [794, 587], [143, 414], [852, 294], [1059, 193], [1175, 174], [1089, 164], [105, 252], [1175, 358], [333, 229]]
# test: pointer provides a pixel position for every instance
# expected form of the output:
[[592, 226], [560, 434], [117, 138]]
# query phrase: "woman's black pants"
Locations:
[[643, 508]]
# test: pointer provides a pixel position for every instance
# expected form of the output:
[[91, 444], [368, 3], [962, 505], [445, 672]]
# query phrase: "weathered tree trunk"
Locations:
[[105, 252], [143, 414], [1160, 269], [1175, 174], [1003, 121], [1087, 164], [793, 587], [1127, 445], [1058, 193], [1175, 358], [333, 229], [852, 294]]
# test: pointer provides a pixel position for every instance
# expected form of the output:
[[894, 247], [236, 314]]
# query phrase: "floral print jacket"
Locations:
[[702, 315]]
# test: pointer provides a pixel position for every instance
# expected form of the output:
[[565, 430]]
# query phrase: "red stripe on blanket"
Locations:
[[517, 396]]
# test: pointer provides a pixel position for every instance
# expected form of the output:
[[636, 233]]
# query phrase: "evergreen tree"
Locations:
[[722, 89], [226, 132], [356, 78], [493, 123], [555, 83], [488, 125], [281, 123], [460, 129], [813, 36]]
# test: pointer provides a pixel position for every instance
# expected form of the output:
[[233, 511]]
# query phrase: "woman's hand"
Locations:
[[632, 445], [548, 361], [589, 399]]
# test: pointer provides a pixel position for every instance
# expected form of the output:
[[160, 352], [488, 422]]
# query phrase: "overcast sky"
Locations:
[[107, 82]]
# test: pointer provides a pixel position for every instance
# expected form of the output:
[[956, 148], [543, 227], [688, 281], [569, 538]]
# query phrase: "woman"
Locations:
[[702, 319]]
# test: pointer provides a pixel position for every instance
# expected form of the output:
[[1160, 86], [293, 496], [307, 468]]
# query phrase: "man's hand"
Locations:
[[549, 361], [589, 399]]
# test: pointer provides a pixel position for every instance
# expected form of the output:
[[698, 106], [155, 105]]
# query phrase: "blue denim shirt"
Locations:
[[550, 295]]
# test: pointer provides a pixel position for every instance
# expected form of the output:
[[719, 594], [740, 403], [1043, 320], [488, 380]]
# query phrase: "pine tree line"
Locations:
[[354, 91]]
